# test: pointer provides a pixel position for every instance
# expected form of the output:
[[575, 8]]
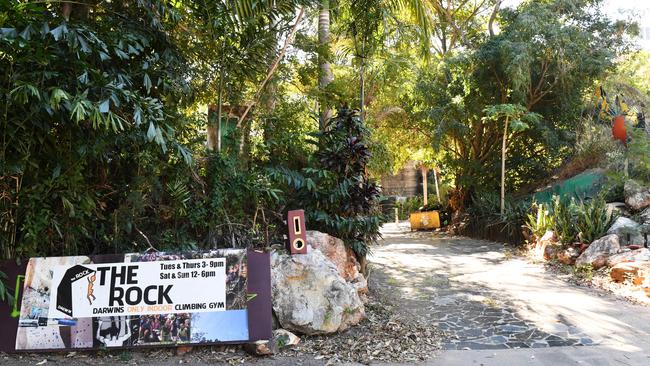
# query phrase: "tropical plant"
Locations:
[[514, 218], [540, 220], [89, 116], [564, 223], [5, 291], [335, 191], [515, 117], [638, 147], [540, 60], [593, 219]]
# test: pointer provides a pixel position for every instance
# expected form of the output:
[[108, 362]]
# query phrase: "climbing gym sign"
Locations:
[[196, 285], [140, 299]]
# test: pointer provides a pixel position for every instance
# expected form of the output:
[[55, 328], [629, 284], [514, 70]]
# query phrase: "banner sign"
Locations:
[[196, 285], [157, 298]]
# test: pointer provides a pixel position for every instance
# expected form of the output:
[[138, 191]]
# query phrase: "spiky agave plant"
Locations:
[[564, 220], [593, 219]]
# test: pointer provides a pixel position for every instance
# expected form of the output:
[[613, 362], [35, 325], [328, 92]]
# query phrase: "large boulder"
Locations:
[[310, 296], [597, 253], [627, 228], [637, 196], [546, 247], [343, 258], [638, 255]]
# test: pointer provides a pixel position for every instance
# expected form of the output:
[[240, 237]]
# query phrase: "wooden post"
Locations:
[[396, 216], [425, 183]]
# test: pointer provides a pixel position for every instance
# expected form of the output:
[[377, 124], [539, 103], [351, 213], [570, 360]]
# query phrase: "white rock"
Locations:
[[624, 228], [636, 195], [261, 348], [638, 255], [343, 258], [597, 253], [619, 208], [310, 296]]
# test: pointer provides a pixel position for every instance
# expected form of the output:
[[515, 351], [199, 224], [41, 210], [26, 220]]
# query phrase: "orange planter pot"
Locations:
[[425, 220]]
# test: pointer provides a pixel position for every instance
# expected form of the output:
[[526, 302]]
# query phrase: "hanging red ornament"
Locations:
[[618, 129]]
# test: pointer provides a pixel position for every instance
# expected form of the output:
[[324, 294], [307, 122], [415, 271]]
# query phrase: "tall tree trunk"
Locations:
[[503, 167], [435, 179], [493, 16], [220, 105], [362, 81], [362, 91], [425, 184], [325, 76]]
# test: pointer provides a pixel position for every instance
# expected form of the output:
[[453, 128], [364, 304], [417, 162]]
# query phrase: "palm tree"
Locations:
[[325, 76]]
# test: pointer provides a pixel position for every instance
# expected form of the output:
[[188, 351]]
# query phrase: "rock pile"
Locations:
[[624, 248]]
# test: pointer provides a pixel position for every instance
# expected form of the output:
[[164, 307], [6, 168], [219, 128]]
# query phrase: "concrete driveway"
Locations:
[[502, 310]]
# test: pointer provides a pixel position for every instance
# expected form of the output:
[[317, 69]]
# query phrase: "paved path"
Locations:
[[499, 310]]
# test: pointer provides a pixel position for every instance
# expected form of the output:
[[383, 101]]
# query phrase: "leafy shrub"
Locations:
[[486, 221], [335, 191], [593, 143], [514, 217], [638, 148], [416, 204], [584, 272], [5, 291], [593, 219], [540, 220], [564, 224], [89, 124]]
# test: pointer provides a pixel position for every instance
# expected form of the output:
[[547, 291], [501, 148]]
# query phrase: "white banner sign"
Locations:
[[138, 288]]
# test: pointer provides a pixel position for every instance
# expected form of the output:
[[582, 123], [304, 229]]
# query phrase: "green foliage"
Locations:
[[540, 61], [593, 219], [335, 192], [232, 43], [564, 224], [409, 206], [584, 272], [638, 149], [540, 220], [593, 143], [416, 204], [517, 115], [89, 121], [514, 218], [486, 221], [5, 292]]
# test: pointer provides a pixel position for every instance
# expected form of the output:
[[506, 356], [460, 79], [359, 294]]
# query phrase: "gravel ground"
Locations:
[[599, 280]]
